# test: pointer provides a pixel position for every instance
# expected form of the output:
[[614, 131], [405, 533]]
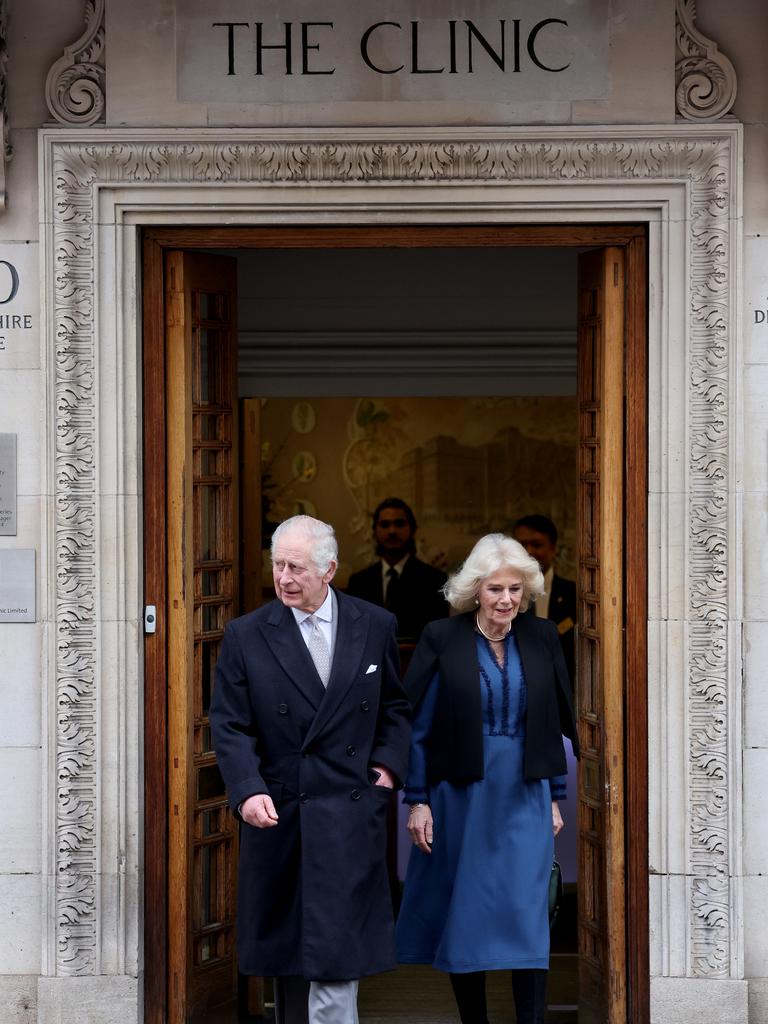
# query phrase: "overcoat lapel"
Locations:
[[463, 653], [351, 635], [285, 640], [528, 647], [465, 675]]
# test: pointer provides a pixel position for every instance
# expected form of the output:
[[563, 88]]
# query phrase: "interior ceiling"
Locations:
[[407, 321]]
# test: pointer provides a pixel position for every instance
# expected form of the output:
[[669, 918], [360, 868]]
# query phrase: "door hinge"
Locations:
[[150, 618]]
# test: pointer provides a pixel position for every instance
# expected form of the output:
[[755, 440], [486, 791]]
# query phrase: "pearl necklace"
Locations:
[[493, 639]]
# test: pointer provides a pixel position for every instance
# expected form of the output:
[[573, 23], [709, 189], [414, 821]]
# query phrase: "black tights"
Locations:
[[529, 988]]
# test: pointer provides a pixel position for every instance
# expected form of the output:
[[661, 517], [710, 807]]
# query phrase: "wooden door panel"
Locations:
[[250, 502], [600, 674], [202, 516]]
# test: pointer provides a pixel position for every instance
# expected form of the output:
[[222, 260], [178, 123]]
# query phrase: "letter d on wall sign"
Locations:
[[8, 288]]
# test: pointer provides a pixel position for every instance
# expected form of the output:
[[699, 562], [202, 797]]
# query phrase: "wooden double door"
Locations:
[[201, 568]]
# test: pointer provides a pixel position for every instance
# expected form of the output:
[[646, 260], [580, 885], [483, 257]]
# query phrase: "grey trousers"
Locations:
[[317, 1002]]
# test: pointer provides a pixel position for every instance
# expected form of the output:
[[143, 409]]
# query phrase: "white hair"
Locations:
[[491, 554], [323, 546]]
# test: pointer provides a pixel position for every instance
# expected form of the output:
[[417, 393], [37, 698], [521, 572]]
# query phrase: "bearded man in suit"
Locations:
[[538, 535], [311, 731], [410, 588]]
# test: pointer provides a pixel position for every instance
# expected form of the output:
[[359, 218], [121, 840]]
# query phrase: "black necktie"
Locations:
[[393, 586]]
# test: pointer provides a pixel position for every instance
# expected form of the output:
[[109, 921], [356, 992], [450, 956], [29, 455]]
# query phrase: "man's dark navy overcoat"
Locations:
[[314, 897]]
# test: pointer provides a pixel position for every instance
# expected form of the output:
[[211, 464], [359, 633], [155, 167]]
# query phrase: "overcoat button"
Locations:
[[351, 751], [355, 794], [303, 798], [364, 705], [282, 709]]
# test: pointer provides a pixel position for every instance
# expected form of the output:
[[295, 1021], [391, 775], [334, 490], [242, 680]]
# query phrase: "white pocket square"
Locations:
[[371, 668]]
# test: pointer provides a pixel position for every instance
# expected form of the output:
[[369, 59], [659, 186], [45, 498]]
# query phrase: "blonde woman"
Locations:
[[491, 698]]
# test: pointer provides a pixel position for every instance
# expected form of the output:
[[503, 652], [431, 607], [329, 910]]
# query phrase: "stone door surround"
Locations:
[[99, 186]]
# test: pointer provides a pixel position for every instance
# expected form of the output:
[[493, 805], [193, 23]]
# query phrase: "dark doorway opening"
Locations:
[[344, 380]]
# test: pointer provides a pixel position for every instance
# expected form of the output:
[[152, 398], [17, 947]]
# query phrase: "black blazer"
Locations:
[[419, 598], [562, 611], [455, 750]]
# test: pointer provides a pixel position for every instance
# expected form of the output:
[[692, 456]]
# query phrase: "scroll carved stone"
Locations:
[[74, 89], [705, 80], [703, 162]]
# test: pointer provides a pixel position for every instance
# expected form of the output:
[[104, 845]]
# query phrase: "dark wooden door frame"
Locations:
[[633, 237], [155, 646]]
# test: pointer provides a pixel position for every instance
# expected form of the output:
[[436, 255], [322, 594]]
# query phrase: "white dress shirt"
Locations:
[[542, 603], [326, 617]]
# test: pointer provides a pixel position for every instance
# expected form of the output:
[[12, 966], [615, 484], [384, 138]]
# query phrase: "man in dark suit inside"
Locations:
[[400, 581], [538, 535]]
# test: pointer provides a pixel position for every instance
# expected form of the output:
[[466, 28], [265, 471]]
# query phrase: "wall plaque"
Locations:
[[7, 485], [17, 585], [323, 51]]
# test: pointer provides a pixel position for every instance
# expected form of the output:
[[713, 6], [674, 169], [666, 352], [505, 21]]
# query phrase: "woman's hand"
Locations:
[[420, 826], [557, 818]]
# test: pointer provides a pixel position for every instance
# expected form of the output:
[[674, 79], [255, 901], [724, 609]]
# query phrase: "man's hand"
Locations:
[[259, 811], [420, 826], [386, 778], [557, 818]]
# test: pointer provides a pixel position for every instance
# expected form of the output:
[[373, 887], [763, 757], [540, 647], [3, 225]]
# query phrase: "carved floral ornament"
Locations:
[[77, 171]]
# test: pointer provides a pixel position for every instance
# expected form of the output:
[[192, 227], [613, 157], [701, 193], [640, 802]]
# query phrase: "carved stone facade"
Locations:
[[705, 79], [79, 172]]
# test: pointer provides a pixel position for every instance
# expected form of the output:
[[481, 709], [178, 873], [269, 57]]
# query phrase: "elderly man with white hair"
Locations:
[[311, 731]]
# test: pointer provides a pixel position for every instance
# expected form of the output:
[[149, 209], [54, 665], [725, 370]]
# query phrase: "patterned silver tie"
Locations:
[[318, 648]]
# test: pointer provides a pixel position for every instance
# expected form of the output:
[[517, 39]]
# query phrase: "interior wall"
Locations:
[[467, 466]]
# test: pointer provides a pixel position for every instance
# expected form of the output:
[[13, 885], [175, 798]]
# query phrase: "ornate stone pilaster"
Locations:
[[76, 625], [705, 80], [710, 866], [75, 86]]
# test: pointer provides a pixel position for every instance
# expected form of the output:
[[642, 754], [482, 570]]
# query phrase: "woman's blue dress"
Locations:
[[478, 901]]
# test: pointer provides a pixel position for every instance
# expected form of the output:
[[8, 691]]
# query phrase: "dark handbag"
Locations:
[[555, 892]]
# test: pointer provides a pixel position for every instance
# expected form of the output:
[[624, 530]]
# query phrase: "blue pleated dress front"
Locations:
[[478, 901]]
